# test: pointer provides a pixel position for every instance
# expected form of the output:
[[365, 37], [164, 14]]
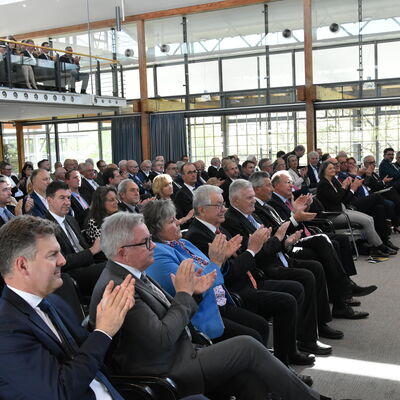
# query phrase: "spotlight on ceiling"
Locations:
[[164, 48], [129, 53], [286, 33], [334, 27]]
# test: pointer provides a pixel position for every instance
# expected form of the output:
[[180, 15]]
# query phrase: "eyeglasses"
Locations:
[[218, 206], [147, 243]]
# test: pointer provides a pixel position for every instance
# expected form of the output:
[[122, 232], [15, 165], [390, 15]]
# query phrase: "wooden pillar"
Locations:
[[145, 120], [20, 144], [308, 68]]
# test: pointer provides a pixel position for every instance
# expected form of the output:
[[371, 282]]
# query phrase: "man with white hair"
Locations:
[[276, 264], [313, 168], [88, 184], [269, 298]]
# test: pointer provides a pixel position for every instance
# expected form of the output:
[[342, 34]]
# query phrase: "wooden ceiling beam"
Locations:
[[106, 23]]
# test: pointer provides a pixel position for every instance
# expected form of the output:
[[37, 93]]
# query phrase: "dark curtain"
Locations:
[[168, 136], [125, 139]]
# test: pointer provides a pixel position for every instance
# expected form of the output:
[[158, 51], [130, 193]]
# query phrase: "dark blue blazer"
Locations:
[[39, 209], [311, 176], [386, 168], [34, 364]]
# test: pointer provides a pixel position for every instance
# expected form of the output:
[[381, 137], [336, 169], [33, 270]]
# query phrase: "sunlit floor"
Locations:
[[365, 364]]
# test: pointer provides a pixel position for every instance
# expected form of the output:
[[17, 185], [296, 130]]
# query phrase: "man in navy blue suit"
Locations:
[[44, 352]]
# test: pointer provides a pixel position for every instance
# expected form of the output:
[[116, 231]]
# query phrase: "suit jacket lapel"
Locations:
[[38, 203], [19, 303]]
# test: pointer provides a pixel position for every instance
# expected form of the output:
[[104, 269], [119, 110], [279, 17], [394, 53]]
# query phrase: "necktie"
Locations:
[[251, 219], [154, 289], [6, 214], [72, 238], [82, 201], [274, 214], [217, 231], [306, 231], [70, 344]]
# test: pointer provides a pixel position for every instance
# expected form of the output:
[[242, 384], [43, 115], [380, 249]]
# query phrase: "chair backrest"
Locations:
[[69, 293]]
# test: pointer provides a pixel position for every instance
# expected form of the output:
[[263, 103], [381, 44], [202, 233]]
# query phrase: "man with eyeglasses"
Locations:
[[172, 170], [184, 197], [80, 261], [268, 298], [6, 171]]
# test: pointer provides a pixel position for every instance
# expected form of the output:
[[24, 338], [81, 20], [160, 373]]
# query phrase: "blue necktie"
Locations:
[[251, 219], [71, 345], [6, 214]]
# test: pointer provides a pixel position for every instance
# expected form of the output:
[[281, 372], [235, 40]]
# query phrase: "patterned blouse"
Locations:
[[92, 231]]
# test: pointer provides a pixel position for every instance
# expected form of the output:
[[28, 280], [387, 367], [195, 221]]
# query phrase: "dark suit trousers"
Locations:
[[374, 206], [320, 248], [239, 321], [307, 315], [344, 251], [244, 367]]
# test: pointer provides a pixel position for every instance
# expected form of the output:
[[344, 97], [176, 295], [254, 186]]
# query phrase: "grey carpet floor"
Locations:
[[365, 364]]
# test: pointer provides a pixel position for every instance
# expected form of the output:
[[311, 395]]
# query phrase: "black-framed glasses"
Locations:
[[219, 206], [146, 242]]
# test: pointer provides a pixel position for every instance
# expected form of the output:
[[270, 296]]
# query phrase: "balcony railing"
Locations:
[[55, 75]]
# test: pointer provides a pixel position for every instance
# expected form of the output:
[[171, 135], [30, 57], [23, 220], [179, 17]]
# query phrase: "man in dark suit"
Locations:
[[275, 263], [45, 352], [40, 179], [213, 169], [144, 175], [79, 205], [269, 298], [387, 168], [248, 167], [88, 183], [172, 170], [129, 196], [6, 171], [80, 261], [44, 52], [76, 76], [155, 338], [298, 151], [157, 168], [313, 168], [184, 197], [7, 212], [316, 247], [232, 172]]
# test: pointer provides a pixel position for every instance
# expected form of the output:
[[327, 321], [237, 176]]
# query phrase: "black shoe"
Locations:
[[388, 250], [317, 348], [360, 291], [348, 313], [327, 332], [301, 358], [375, 252], [72, 91], [83, 91], [304, 378], [389, 244], [352, 302]]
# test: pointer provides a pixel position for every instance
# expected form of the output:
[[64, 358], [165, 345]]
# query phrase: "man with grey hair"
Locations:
[[129, 196], [232, 173], [122, 166], [265, 164], [298, 151], [88, 184], [213, 169], [155, 338], [268, 298], [313, 168], [276, 264], [45, 353], [157, 168]]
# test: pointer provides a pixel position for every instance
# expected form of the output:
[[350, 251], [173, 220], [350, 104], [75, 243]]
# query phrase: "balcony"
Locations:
[[53, 95]]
